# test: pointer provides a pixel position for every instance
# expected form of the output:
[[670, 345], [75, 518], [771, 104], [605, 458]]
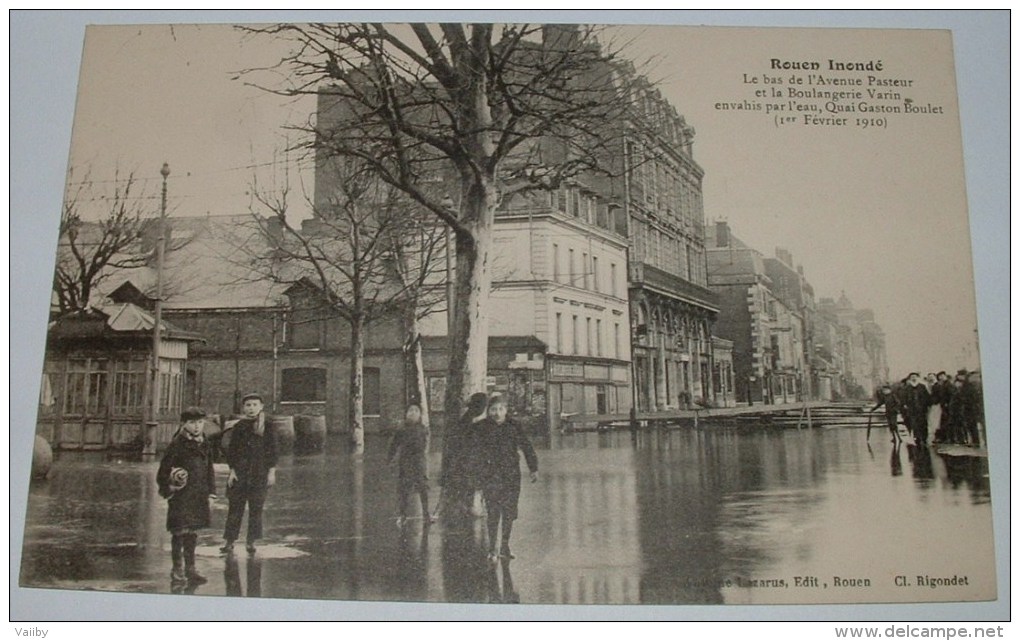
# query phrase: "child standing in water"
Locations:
[[499, 439], [409, 448], [185, 478]]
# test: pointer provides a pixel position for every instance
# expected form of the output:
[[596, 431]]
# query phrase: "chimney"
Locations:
[[784, 256], [722, 233]]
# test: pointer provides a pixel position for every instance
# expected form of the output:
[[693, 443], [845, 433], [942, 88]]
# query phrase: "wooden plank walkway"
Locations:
[[790, 410]]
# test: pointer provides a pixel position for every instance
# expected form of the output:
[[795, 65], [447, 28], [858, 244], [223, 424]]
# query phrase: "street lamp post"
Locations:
[[149, 446]]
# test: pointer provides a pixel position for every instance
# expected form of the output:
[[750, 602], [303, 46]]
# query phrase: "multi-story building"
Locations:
[[672, 308], [767, 330], [559, 279], [860, 344], [792, 288]]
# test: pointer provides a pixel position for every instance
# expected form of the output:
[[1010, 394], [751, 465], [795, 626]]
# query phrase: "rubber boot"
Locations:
[[194, 578], [177, 558]]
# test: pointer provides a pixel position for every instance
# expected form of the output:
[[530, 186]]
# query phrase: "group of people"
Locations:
[[186, 479], [954, 407], [481, 454]]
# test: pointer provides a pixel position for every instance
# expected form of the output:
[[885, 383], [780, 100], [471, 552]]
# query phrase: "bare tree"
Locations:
[[90, 251], [109, 229], [363, 253], [503, 109]]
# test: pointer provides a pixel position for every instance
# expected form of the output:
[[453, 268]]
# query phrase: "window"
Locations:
[[595, 273], [85, 389], [612, 278], [584, 270], [574, 335], [304, 330], [559, 332], [575, 204], [556, 262], [370, 391], [598, 337], [603, 216], [587, 336], [616, 341], [573, 269], [129, 387], [171, 385], [303, 385]]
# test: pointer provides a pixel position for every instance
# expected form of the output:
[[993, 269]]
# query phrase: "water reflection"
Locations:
[[232, 576], [895, 463], [684, 516], [920, 462]]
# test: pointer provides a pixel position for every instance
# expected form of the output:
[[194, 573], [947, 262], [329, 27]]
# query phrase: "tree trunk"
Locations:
[[469, 343], [414, 363], [356, 413]]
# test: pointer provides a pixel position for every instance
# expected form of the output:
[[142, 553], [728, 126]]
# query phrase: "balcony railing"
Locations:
[[643, 273]]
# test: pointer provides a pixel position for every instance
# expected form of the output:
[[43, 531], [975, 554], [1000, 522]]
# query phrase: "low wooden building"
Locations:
[[97, 384]]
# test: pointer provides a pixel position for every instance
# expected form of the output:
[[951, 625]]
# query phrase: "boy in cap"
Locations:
[[499, 439], [409, 450], [185, 478], [251, 456]]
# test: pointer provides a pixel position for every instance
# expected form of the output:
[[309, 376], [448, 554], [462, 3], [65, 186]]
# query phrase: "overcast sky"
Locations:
[[879, 213]]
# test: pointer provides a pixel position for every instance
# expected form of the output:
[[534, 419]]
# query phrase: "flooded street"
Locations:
[[706, 516]]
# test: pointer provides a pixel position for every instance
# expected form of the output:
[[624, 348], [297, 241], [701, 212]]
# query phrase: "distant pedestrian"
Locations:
[[965, 410], [887, 398], [185, 478], [409, 449], [500, 438], [459, 473], [916, 402], [251, 455], [941, 395]]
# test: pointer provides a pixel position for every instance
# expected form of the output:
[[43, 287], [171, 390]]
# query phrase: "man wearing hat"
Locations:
[[251, 456], [916, 401]]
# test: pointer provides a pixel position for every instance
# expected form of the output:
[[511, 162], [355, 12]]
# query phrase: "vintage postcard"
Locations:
[[553, 314]]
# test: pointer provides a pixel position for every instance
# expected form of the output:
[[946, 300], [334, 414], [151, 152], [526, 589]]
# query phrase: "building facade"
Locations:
[[672, 308], [767, 334], [559, 281]]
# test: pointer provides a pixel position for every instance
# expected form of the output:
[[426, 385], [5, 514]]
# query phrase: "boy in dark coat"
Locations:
[[409, 448], [185, 478], [499, 439], [888, 398], [251, 455]]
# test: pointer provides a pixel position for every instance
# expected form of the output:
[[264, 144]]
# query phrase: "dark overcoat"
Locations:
[[250, 455], [499, 472], [187, 507], [916, 401], [410, 448]]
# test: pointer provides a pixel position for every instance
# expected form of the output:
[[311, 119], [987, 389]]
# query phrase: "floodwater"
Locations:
[[716, 515]]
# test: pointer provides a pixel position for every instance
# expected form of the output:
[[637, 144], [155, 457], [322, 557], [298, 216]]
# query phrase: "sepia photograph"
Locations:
[[426, 312]]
